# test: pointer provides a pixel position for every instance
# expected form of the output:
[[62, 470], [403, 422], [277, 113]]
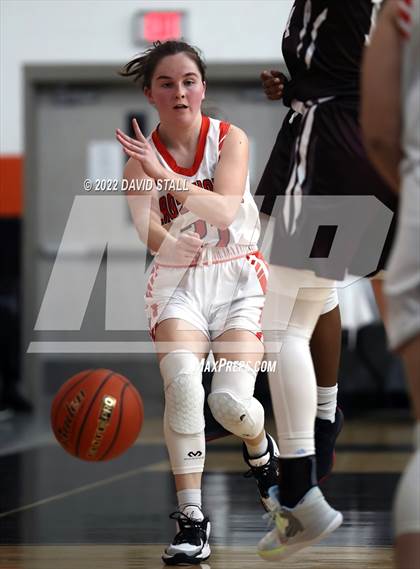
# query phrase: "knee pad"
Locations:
[[184, 393], [232, 403], [294, 394]]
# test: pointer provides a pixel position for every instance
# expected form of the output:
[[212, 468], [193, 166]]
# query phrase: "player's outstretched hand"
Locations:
[[181, 251], [140, 149], [273, 84]]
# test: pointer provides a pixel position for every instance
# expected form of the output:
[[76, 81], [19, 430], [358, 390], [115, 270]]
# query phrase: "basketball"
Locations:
[[97, 415]]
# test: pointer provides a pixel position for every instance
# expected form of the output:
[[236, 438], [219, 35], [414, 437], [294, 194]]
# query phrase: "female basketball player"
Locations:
[[206, 289]]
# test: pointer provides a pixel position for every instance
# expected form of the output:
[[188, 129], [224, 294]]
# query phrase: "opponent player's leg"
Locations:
[[234, 406], [327, 333], [407, 499], [304, 516], [180, 348], [325, 348]]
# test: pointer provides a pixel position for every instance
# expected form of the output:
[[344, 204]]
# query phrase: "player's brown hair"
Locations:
[[143, 66]]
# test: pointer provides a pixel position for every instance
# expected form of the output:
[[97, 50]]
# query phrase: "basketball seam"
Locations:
[[137, 398], [85, 418], [117, 430], [139, 402], [54, 419]]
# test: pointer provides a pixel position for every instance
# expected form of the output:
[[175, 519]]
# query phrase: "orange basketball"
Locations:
[[97, 415]]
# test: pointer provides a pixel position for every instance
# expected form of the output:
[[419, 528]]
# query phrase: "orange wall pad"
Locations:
[[11, 175]]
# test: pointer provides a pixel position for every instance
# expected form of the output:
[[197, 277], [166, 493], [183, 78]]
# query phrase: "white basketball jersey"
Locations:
[[245, 229]]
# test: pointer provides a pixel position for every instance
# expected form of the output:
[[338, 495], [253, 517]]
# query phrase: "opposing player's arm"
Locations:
[[146, 219], [381, 110], [273, 83], [219, 207]]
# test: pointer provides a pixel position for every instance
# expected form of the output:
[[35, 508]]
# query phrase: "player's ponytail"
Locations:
[[143, 66]]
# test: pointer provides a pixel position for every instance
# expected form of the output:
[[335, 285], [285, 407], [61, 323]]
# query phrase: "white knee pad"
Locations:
[[407, 497], [294, 394], [184, 412], [184, 393], [232, 403]]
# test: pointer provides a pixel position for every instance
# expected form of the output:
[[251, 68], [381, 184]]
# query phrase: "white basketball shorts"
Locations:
[[223, 290]]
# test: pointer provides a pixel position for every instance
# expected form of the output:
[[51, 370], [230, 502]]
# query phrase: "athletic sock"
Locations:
[[189, 503], [258, 450], [298, 476], [327, 403]]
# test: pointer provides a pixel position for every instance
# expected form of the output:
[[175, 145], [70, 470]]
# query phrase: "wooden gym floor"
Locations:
[[59, 513]]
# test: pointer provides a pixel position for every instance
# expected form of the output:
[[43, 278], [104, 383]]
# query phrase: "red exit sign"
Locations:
[[153, 26]]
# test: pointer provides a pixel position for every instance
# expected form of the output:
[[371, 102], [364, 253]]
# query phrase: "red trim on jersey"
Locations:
[[223, 130], [405, 8], [260, 336], [199, 153], [261, 268], [404, 14]]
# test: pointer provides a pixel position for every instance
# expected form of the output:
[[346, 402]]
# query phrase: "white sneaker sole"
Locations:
[[184, 559], [286, 551]]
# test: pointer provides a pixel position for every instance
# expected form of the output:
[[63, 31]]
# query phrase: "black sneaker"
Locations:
[[266, 471], [326, 434], [190, 546]]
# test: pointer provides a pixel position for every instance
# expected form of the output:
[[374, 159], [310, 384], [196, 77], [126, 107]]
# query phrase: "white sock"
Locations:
[[257, 450], [189, 502], [327, 403]]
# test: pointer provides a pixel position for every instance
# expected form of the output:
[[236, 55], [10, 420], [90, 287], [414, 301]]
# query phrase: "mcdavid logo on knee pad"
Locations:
[[196, 454]]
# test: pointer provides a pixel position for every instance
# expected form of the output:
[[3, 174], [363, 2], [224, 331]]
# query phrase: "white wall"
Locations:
[[99, 31]]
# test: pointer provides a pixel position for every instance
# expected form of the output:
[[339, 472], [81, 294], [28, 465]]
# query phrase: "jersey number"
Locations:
[[200, 227]]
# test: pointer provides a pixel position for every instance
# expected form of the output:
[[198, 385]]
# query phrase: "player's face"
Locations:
[[177, 88]]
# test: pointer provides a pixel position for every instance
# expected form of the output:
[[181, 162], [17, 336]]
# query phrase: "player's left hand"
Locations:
[[140, 149], [273, 83]]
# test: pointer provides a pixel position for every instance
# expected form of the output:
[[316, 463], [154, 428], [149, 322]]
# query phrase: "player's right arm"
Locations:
[[147, 222]]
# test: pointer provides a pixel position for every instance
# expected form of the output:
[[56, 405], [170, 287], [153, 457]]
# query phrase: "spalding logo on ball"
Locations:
[[97, 415]]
